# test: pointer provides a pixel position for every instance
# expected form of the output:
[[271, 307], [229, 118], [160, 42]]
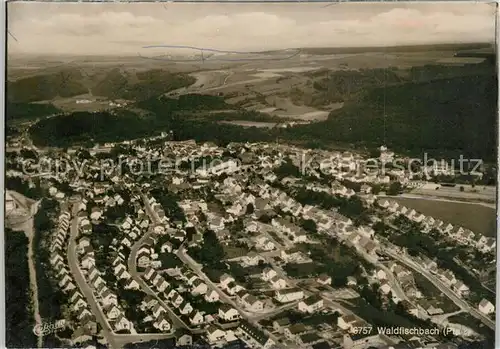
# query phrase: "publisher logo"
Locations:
[[44, 329]]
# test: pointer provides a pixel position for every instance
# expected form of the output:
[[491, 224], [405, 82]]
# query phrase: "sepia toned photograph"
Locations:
[[250, 175]]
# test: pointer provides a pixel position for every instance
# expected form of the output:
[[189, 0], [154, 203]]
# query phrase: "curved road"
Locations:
[[115, 341]]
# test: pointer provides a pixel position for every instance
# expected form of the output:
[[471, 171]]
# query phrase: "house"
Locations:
[[345, 322], [211, 296], [486, 307], [311, 304], [461, 289], [252, 258], [199, 287], [225, 279], [112, 311], [385, 288], [253, 336], [196, 318], [268, 274], [228, 313], [289, 295], [486, 244], [308, 339], [214, 334], [351, 281], [185, 308], [294, 331], [263, 243], [132, 285], [166, 247], [324, 279], [184, 339], [162, 323], [280, 324], [233, 288], [121, 323], [448, 278], [177, 300], [278, 282], [157, 310], [252, 303]]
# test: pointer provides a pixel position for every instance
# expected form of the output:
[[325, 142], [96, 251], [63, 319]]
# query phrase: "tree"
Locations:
[[395, 188], [250, 209], [462, 188]]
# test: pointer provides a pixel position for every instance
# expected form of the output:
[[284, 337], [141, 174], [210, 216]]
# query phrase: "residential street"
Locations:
[[82, 284], [195, 267], [132, 269], [442, 287]]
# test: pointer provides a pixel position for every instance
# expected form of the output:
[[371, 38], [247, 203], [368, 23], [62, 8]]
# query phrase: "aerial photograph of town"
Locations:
[[242, 175]]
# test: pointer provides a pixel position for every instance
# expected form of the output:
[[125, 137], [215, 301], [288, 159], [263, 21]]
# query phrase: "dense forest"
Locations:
[[442, 116], [19, 319], [28, 111], [66, 83], [164, 114], [151, 83]]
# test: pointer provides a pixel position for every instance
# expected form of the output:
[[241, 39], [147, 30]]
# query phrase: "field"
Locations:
[[475, 217]]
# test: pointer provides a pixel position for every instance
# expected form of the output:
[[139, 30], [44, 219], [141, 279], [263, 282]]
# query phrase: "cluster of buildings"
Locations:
[[76, 304], [95, 279], [460, 235]]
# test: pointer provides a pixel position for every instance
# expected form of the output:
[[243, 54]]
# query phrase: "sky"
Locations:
[[125, 28]]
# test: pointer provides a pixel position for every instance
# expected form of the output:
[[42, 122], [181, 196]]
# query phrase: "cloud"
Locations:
[[121, 29]]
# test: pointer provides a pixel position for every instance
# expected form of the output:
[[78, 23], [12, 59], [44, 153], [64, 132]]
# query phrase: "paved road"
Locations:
[[132, 269], [115, 341], [197, 269], [442, 287], [82, 284]]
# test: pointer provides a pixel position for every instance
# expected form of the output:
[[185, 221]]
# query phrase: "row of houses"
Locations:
[[459, 234], [107, 299], [77, 303], [250, 334]]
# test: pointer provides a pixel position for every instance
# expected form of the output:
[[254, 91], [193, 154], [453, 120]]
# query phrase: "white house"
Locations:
[[486, 307], [228, 313], [345, 322], [214, 334], [199, 287], [268, 274], [278, 282], [324, 279], [289, 295], [211, 296], [311, 304], [252, 303]]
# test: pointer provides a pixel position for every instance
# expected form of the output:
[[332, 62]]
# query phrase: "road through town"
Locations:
[[82, 284], [442, 287]]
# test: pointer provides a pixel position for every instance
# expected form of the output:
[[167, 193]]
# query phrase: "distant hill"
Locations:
[[66, 83], [447, 116], [144, 85], [405, 48]]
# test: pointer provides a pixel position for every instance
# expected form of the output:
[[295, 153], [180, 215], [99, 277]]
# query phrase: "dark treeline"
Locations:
[[19, 319], [441, 117], [50, 295], [28, 111], [66, 83], [117, 84]]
